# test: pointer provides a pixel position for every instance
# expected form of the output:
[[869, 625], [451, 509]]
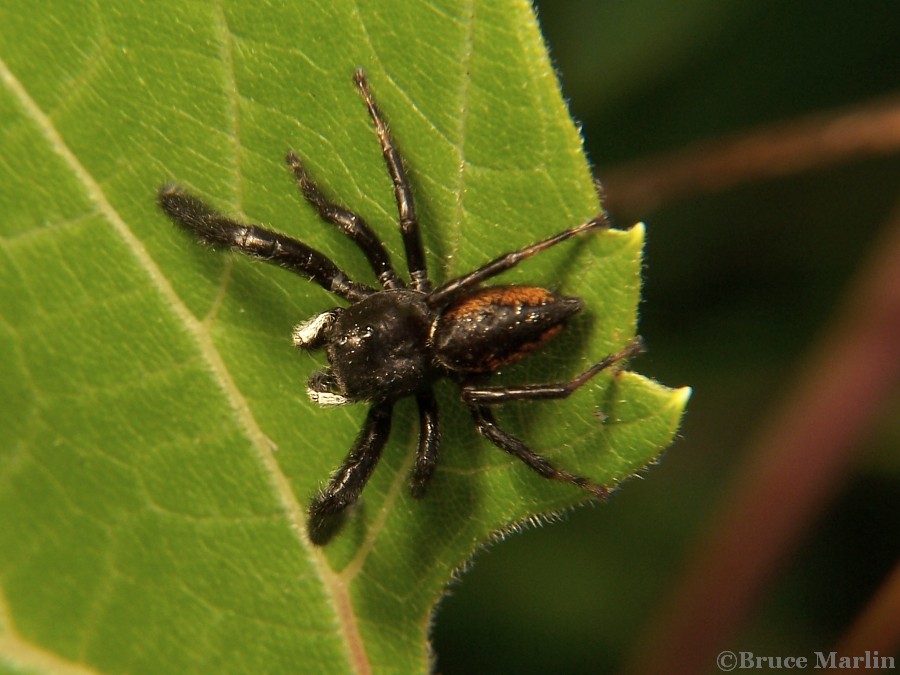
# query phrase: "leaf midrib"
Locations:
[[198, 330]]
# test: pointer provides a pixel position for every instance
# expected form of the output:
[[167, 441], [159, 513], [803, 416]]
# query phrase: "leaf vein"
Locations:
[[462, 163], [195, 328]]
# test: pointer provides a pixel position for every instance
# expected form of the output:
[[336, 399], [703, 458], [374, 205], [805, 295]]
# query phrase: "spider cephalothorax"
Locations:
[[398, 340]]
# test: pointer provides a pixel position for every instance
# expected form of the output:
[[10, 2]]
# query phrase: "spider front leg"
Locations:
[[211, 227], [487, 426], [327, 508], [406, 207], [347, 222]]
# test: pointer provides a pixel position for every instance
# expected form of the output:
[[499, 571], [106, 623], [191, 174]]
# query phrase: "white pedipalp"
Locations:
[[310, 331], [326, 399]]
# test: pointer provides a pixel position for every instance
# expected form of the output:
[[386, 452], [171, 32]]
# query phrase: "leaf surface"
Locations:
[[159, 449]]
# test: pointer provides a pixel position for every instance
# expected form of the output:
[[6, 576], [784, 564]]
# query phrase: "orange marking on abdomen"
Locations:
[[484, 298]]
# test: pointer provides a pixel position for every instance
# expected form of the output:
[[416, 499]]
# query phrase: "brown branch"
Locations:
[[785, 148], [877, 628], [795, 469]]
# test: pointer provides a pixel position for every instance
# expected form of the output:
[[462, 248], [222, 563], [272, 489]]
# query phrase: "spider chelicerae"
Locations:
[[398, 340]]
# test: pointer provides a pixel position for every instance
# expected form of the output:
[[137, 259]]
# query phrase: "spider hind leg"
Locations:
[[487, 427], [495, 395]]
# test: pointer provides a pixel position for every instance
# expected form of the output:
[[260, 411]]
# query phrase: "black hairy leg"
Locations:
[[347, 483]]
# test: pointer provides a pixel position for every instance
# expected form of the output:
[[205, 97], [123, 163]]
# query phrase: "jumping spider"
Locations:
[[399, 340]]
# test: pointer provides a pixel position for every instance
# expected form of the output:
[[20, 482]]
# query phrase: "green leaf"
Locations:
[[159, 449]]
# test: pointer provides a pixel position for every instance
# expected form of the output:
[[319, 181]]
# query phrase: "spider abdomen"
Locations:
[[498, 325]]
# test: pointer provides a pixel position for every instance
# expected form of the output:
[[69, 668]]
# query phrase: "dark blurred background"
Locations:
[[740, 285]]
